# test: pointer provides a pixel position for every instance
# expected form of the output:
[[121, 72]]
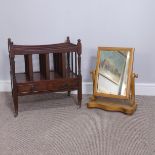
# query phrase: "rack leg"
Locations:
[[15, 101], [69, 93], [79, 96]]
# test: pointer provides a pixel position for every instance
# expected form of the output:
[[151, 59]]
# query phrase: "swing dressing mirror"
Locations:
[[113, 72]]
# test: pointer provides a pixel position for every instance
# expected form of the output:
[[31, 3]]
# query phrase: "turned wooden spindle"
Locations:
[[79, 57]]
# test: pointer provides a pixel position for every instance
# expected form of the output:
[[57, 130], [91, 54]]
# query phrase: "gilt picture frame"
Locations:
[[114, 68]]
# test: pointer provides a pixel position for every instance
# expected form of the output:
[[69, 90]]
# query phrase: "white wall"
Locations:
[[128, 23]]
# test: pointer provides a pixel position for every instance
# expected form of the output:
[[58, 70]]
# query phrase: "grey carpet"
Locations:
[[53, 125]]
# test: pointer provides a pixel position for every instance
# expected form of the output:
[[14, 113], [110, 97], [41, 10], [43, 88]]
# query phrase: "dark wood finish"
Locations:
[[44, 65], [66, 75], [28, 66], [59, 63]]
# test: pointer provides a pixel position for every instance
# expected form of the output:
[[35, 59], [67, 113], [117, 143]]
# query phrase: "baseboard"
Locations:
[[147, 89], [5, 86], [141, 88]]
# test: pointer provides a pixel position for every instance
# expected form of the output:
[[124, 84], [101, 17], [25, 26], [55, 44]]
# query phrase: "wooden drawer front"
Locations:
[[63, 85], [31, 88], [42, 86], [25, 88], [59, 85]]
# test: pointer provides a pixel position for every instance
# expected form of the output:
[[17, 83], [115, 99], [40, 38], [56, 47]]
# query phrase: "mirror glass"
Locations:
[[112, 72]]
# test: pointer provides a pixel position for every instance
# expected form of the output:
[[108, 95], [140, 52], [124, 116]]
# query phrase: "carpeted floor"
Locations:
[[52, 124]]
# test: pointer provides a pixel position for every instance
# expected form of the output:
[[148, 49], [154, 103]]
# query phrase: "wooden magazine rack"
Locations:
[[65, 75]]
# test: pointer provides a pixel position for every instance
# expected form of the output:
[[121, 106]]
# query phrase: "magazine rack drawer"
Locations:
[[31, 88], [63, 85]]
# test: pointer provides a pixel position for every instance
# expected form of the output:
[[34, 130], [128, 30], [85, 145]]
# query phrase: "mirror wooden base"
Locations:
[[109, 105], [127, 106]]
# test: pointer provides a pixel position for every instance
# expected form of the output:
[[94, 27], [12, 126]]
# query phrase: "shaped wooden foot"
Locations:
[[113, 106]]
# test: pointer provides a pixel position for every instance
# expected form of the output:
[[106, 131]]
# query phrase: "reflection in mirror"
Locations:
[[113, 72]]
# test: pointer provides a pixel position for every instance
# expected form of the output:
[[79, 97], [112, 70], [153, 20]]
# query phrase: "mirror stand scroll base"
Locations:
[[128, 109]]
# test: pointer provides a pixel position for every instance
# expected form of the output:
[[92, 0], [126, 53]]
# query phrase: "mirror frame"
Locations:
[[130, 69]]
